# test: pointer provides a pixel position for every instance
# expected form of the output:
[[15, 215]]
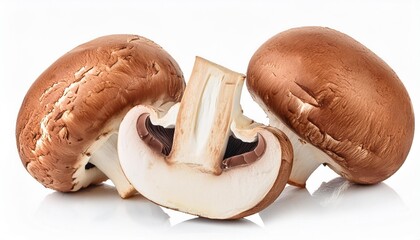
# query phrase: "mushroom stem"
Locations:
[[302, 169], [204, 121], [306, 157], [106, 160]]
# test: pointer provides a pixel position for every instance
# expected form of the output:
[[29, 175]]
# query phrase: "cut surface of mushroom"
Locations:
[[338, 102], [203, 156], [67, 127]]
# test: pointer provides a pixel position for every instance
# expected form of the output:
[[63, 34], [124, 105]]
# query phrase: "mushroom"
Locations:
[[66, 130], [338, 102], [203, 156]]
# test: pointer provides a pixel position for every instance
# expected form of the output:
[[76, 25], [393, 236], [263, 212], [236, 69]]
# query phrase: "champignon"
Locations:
[[66, 130], [338, 102], [203, 156]]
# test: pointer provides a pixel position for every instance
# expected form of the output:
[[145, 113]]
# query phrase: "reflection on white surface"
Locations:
[[341, 209], [334, 207], [337, 198], [100, 209], [207, 226]]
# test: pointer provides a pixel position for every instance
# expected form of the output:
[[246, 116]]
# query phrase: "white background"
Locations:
[[35, 33]]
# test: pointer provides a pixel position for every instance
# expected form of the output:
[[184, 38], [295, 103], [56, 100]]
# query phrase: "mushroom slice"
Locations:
[[67, 126], [203, 156], [338, 102]]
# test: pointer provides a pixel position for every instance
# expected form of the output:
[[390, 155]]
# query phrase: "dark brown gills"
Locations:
[[238, 153]]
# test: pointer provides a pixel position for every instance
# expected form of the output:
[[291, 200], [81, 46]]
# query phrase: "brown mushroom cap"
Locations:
[[337, 95], [83, 96]]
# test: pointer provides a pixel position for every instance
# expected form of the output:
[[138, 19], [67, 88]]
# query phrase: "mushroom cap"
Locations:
[[83, 96], [338, 96]]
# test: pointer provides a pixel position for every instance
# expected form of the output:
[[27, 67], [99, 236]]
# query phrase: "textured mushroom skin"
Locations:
[[338, 96], [78, 99]]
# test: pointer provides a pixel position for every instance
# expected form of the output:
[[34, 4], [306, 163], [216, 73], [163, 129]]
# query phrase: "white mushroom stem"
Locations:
[[106, 160], [307, 158], [204, 121]]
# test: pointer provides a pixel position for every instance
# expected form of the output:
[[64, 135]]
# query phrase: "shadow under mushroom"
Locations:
[[98, 209]]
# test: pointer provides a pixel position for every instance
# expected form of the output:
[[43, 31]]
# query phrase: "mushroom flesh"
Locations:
[[203, 156]]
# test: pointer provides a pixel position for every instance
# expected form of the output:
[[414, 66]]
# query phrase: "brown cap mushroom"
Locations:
[[66, 130], [338, 102], [203, 156]]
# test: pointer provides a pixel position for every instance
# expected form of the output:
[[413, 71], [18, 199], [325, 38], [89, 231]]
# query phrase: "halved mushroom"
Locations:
[[203, 156], [338, 102], [66, 130]]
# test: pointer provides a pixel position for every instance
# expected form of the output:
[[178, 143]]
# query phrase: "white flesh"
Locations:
[[180, 186], [190, 179]]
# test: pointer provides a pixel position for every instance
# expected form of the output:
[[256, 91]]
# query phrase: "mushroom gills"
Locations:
[[89, 165], [157, 137], [160, 139], [239, 153]]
